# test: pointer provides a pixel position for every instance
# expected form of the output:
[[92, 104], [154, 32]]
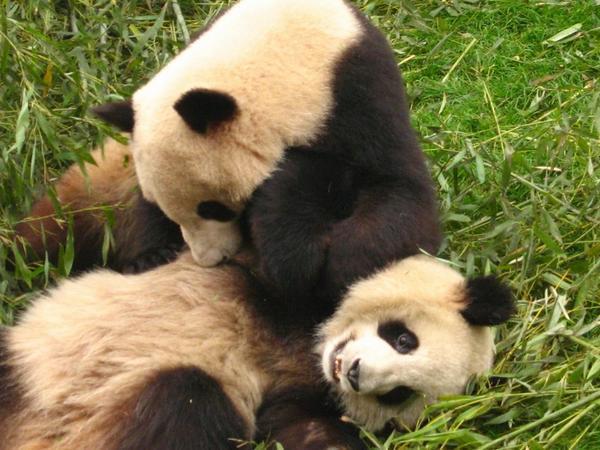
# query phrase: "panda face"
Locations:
[[177, 173], [391, 366], [400, 340]]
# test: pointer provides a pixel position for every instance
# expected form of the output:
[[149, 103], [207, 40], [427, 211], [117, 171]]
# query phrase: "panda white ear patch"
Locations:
[[119, 114], [489, 301], [200, 108]]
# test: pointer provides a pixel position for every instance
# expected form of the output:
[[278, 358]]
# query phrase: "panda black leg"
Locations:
[[301, 420], [145, 238], [389, 222], [183, 409], [44, 233], [290, 218]]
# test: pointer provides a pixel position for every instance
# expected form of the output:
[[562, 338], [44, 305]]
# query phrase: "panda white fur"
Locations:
[[185, 357], [304, 99]]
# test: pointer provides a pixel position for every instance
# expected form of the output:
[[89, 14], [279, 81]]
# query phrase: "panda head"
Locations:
[[173, 168], [409, 334], [212, 124]]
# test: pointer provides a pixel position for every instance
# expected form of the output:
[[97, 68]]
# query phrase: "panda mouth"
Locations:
[[335, 361], [396, 396]]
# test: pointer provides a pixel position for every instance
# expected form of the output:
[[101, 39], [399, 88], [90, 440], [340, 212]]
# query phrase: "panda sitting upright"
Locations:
[[304, 99]]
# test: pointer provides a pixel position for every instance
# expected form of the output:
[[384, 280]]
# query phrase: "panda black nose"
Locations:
[[353, 374]]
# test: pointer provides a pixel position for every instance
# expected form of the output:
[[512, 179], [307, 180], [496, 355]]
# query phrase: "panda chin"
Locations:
[[374, 415]]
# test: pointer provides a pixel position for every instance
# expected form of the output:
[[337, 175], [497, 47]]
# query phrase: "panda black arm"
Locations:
[[302, 420], [290, 217], [320, 223], [390, 221], [143, 236], [182, 408]]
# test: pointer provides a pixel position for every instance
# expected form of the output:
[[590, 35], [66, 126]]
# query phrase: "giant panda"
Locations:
[[302, 99], [185, 357]]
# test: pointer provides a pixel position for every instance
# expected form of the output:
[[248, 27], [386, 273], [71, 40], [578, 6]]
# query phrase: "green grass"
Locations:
[[508, 108]]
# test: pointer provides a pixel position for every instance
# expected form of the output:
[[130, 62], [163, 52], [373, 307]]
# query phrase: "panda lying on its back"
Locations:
[[185, 357], [305, 96]]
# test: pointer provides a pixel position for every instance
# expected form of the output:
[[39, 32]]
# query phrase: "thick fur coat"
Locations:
[[186, 357], [294, 112]]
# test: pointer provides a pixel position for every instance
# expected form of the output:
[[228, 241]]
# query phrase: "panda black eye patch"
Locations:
[[212, 210], [398, 336]]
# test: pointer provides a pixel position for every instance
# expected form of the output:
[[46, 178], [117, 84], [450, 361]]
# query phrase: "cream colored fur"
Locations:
[[211, 241], [427, 296], [277, 59], [86, 349], [83, 352]]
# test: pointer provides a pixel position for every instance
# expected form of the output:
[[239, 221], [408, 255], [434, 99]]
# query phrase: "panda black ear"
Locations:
[[119, 114], [200, 108], [489, 301]]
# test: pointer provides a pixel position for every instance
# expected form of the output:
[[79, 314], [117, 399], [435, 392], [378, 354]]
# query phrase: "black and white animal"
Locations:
[[186, 357], [303, 100]]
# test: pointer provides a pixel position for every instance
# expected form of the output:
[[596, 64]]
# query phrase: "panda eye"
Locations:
[[397, 335], [213, 210], [405, 343]]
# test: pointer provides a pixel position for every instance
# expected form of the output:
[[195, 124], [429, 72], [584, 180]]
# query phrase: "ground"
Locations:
[[505, 95]]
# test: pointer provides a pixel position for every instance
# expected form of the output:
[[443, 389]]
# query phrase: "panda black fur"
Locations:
[[305, 96], [184, 357]]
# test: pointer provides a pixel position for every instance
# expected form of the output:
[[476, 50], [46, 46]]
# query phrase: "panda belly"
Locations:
[[102, 351]]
